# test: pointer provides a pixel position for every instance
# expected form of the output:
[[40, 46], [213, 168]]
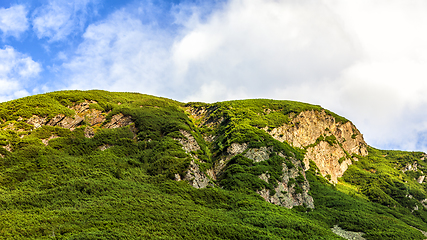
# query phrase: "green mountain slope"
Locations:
[[103, 165]]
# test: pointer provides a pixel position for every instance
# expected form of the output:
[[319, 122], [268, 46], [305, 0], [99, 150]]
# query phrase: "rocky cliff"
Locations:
[[212, 169], [330, 144], [83, 116], [333, 145]]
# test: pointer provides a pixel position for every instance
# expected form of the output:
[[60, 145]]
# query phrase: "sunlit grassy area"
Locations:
[[71, 189]]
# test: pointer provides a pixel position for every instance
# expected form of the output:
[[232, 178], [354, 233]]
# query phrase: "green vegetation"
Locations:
[[120, 184], [380, 178], [354, 213]]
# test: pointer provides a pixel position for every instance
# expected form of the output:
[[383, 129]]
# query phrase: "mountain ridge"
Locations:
[[285, 153]]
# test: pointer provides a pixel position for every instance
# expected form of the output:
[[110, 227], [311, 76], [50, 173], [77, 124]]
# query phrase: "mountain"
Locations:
[[105, 165]]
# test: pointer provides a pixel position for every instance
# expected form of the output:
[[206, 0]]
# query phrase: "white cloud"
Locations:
[[263, 46], [120, 54], [365, 60], [13, 21], [16, 70], [58, 19]]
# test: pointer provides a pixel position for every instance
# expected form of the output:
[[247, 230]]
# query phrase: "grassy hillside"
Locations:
[[77, 188]]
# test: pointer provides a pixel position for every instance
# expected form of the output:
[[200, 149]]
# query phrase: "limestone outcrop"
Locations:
[[289, 191], [330, 144], [119, 120], [83, 115], [189, 143], [194, 175]]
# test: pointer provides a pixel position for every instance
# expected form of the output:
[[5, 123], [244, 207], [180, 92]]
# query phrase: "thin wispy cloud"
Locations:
[[58, 19], [120, 54]]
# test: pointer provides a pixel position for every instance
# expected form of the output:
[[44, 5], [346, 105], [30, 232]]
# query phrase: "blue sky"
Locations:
[[365, 60]]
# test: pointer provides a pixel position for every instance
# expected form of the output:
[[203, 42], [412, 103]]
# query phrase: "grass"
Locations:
[[71, 189]]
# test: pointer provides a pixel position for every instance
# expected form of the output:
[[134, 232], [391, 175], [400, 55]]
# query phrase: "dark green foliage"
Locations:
[[117, 185], [243, 173], [356, 214], [261, 106], [331, 139], [379, 177]]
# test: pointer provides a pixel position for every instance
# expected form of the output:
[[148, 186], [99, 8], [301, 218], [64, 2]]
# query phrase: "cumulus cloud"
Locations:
[[260, 46], [58, 19], [365, 60], [16, 70], [13, 21], [120, 54]]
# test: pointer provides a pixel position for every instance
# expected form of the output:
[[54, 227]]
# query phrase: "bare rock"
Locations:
[[236, 148], [189, 143], [83, 113], [8, 147], [37, 121], [411, 167], [70, 123], [56, 120], [327, 158], [209, 138], [89, 132], [202, 117], [196, 177], [259, 155], [46, 141], [119, 120], [232, 150], [104, 147], [285, 194], [305, 128], [347, 234], [421, 179]]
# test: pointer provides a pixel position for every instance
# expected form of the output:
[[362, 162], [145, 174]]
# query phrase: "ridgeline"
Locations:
[[106, 165]]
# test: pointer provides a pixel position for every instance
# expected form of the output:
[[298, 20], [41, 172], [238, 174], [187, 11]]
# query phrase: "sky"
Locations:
[[364, 60]]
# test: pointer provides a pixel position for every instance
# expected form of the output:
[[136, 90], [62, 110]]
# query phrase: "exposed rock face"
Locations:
[[104, 147], [327, 158], [194, 175], [36, 121], [8, 147], [285, 194], [305, 128], [89, 132], [189, 143], [347, 234], [201, 117], [232, 150], [83, 114], [46, 141], [411, 167], [331, 145], [119, 120]]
